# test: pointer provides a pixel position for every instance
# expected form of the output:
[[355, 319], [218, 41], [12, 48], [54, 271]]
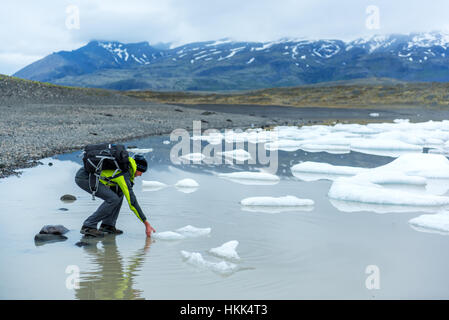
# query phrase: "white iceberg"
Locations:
[[197, 260], [239, 155], [168, 235], [194, 157], [435, 223], [191, 231], [139, 150], [227, 250], [326, 168], [287, 201], [350, 189], [247, 175], [152, 185], [187, 183]]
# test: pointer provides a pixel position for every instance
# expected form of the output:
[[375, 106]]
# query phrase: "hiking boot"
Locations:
[[110, 229], [91, 232]]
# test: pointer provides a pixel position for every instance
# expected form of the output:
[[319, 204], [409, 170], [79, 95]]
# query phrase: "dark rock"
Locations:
[[82, 244], [63, 209], [207, 113], [132, 147], [204, 121], [228, 120], [68, 198], [54, 229], [179, 110], [42, 238], [93, 133], [50, 164]]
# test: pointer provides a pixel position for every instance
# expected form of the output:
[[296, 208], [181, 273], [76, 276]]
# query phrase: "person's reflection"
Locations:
[[111, 280]]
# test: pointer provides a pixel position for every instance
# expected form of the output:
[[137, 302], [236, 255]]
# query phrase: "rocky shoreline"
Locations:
[[29, 132]]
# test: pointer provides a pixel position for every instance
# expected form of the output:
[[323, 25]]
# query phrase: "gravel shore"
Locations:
[[29, 132], [39, 120]]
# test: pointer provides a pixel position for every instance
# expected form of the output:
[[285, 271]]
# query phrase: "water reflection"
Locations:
[[111, 279]]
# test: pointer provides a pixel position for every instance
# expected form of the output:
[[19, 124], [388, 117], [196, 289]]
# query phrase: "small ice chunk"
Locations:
[[227, 250], [326, 168], [166, 142], [152, 185], [287, 201], [139, 150], [187, 183], [247, 175], [195, 157], [168, 235], [438, 222], [191, 231], [239, 154], [374, 114], [196, 259]]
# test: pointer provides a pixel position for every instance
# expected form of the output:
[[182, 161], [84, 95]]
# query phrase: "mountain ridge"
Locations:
[[225, 64]]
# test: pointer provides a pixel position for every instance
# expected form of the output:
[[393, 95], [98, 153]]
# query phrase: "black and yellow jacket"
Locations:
[[125, 182]]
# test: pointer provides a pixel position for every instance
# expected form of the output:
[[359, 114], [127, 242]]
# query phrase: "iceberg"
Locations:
[[197, 260], [287, 201], [434, 223], [227, 250]]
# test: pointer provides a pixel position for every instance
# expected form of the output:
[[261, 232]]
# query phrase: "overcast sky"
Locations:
[[33, 29]]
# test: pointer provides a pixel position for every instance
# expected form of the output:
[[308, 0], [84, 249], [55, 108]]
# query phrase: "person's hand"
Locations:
[[149, 229]]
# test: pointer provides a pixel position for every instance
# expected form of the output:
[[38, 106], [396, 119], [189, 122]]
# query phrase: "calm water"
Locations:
[[321, 253]]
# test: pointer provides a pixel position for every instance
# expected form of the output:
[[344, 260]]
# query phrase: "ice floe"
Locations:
[[194, 157], [152, 185], [197, 260], [187, 183], [326, 168], [227, 250], [286, 201], [139, 150], [434, 223], [182, 233], [251, 178], [357, 190], [238, 154]]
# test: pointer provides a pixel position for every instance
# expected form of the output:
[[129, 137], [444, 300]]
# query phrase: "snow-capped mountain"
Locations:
[[227, 64]]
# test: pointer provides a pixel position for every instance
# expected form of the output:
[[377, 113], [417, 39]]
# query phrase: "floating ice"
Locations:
[[139, 150], [187, 183], [335, 149], [194, 157], [325, 168], [191, 231], [436, 223], [196, 259], [238, 154], [166, 142], [383, 144], [287, 201], [421, 164], [350, 206], [374, 114], [227, 250], [351, 189], [168, 235], [152, 185], [182, 233], [247, 175]]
